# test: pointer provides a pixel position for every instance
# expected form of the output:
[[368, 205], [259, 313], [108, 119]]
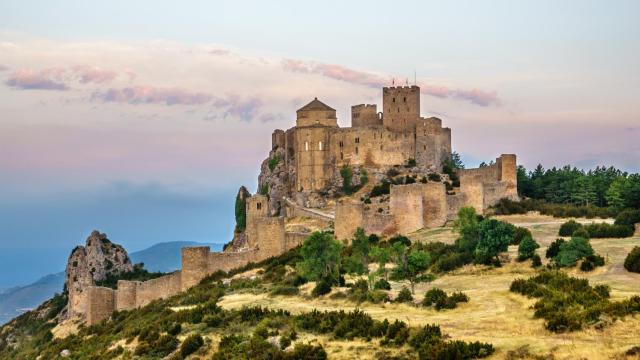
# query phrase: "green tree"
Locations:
[[468, 226], [527, 248], [381, 255], [495, 237], [320, 258], [347, 174], [573, 250], [584, 191], [417, 262], [241, 213]]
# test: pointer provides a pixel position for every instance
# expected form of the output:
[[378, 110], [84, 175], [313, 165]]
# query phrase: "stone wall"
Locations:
[[365, 115], [433, 143], [485, 186], [349, 217], [314, 166], [101, 303], [371, 146], [406, 205]]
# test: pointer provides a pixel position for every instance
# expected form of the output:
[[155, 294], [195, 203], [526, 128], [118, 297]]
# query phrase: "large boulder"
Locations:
[[90, 264]]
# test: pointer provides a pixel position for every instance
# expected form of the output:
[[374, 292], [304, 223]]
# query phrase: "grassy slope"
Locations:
[[494, 314]]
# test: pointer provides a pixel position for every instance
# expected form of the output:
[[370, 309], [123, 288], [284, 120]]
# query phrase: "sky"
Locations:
[[142, 118]]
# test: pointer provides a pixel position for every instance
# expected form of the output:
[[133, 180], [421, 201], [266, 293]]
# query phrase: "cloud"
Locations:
[[93, 74], [3, 67], [342, 73], [27, 79], [243, 109], [337, 72], [151, 95]]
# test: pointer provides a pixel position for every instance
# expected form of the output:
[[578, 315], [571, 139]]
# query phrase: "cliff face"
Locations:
[[89, 264], [276, 177]]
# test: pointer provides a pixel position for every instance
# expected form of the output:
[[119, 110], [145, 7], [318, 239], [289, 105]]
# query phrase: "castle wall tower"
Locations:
[[433, 143], [401, 107], [365, 115], [314, 165]]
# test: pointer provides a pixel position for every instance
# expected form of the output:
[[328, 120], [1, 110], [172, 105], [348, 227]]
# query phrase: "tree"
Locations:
[[417, 262], [584, 191], [382, 256], [320, 258], [347, 175], [468, 226], [615, 193], [632, 261], [573, 250], [241, 212], [527, 248], [495, 237]]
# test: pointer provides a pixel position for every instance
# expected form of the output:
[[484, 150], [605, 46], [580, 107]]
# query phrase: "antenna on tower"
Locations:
[[406, 81], [393, 81], [415, 78]]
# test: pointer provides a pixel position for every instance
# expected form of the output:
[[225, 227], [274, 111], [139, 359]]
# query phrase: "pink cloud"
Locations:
[[342, 73], [3, 67], [93, 74], [27, 79], [151, 95]]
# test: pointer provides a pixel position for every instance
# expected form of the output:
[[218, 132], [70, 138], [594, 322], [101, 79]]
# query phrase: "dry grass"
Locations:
[[494, 314]]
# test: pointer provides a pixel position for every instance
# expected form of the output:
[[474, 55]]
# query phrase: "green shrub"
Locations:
[[581, 232], [568, 228], [573, 250], [604, 230], [519, 234], [322, 287], [273, 162], [191, 344], [175, 329], [384, 188], [628, 217], [440, 300], [434, 177], [404, 296], [554, 248], [287, 290], [632, 261], [382, 284], [411, 163], [536, 261], [527, 248]]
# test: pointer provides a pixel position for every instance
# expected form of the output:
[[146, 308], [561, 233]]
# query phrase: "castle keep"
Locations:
[[305, 176]]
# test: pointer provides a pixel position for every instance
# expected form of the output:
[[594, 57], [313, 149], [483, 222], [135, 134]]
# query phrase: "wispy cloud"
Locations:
[[27, 79], [151, 95], [93, 74], [3, 67], [342, 73]]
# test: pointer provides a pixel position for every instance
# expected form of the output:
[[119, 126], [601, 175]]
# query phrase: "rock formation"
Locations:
[[275, 179], [92, 263]]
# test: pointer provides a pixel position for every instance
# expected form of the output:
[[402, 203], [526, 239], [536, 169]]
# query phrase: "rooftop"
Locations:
[[316, 105]]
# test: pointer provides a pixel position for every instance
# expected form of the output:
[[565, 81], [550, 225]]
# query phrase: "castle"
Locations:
[[303, 175]]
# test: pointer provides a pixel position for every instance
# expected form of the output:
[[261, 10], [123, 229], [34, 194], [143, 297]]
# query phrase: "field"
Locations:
[[493, 314]]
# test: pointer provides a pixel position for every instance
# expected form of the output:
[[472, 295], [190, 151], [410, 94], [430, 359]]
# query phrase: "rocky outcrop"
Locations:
[[276, 179], [89, 264]]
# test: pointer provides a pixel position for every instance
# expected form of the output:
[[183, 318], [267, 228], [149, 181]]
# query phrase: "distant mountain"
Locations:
[[164, 257]]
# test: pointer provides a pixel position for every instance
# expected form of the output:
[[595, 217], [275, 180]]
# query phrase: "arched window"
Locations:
[[259, 206], [319, 145], [356, 150], [341, 156], [405, 99], [394, 99], [306, 146]]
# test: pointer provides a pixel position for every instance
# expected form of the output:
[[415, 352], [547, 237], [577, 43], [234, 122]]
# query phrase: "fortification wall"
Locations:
[[371, 146], [406, 205], [195, 264], [349, 217], [277, 139], [365, 115], [159, 288], [434, 204], [126, 295], [454, 203], [294, 210], [376, 223], [101, 303], [294, 239]]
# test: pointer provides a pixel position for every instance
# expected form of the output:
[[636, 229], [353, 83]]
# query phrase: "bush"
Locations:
[[628, 217], [572, 251], [568, 228], [434, 177], [554, 248], [527, 248], [437, 298], [632, 261], [286, 290], [191, 344], [404, 296], [604, 230], [322, 287], [384, 188], [520, 234], [581, 232], [382, 284], [273, 162], [536, 261]]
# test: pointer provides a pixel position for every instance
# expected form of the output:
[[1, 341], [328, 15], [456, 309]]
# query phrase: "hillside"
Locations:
[[161, 257], [229, 312]]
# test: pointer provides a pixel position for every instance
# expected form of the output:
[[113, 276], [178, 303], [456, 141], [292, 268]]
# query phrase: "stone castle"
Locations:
[[303, 177]]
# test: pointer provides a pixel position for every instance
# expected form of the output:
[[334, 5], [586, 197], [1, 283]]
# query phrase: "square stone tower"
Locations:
[[401, 107]]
